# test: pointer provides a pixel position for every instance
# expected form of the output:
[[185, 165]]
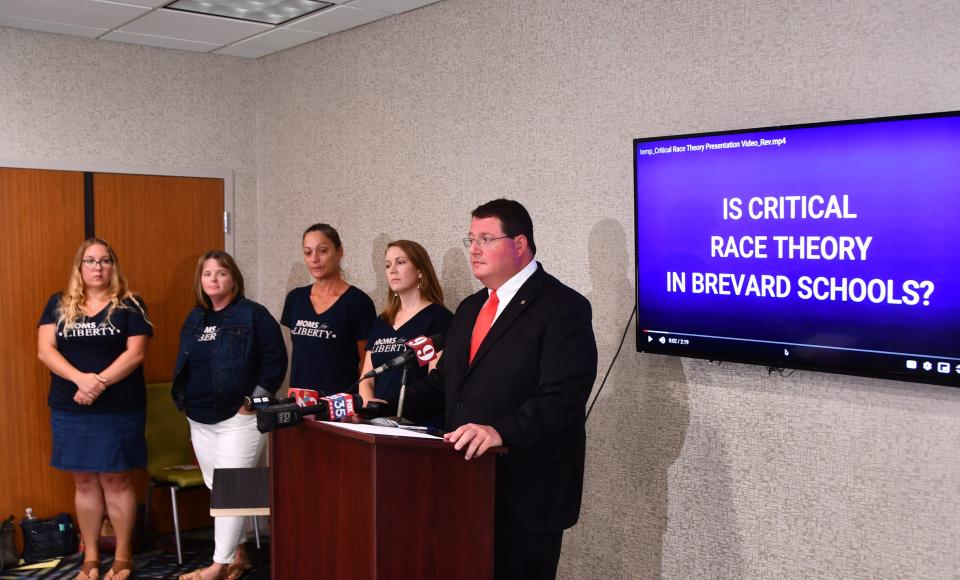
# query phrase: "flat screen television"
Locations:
[[830, 246]]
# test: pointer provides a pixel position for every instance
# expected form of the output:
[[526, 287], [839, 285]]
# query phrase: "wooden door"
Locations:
[[41, 226], [160, 226]]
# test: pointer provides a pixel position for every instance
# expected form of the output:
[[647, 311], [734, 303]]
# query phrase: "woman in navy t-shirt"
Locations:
[[414, 308], [93, 338], [329, 320]]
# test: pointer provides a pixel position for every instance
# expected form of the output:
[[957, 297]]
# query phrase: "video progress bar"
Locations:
[[918, 355]]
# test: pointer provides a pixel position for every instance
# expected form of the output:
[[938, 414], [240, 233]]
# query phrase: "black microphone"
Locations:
[[375, 409], [420, 349], [260, 399], [329, 408], [341, 406], [285, 415]]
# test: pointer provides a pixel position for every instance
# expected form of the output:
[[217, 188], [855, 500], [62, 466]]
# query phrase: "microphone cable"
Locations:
[[610, 368]]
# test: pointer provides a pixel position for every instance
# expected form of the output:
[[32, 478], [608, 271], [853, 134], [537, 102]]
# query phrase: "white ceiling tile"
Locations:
[[54, 27], [160, 41], [234, 50], [279, 39], [336, 19], [144, 22], [89, 13], [197, 27], [269, 42], [147, 3], [391, 6]]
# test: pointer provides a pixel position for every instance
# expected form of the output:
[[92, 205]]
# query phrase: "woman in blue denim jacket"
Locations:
[[229, 346]]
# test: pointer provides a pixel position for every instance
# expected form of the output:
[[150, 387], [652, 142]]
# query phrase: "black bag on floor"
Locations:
[[8, 551], [46, 539]]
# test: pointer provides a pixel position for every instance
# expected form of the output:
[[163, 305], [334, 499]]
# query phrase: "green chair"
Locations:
[[170, 459]]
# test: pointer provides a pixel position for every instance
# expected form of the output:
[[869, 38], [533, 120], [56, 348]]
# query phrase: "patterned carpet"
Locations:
[[159, 562]]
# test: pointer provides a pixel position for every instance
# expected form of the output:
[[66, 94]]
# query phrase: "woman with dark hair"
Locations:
[[414, 308], [93, 338], [329, 320], [229, 346]]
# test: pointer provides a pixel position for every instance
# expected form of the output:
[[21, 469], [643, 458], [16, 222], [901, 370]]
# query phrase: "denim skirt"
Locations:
[[98, 442]]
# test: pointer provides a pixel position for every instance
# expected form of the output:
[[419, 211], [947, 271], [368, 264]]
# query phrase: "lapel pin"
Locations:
[[522, 302]]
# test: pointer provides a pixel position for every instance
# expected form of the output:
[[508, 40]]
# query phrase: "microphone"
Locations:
[[374, 409], [304, 397], [330, 408], [420, 349], [341, 406], [285, 415], [259, 399]]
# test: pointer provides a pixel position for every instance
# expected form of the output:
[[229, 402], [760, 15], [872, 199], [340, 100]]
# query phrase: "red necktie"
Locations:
[[484, 321]]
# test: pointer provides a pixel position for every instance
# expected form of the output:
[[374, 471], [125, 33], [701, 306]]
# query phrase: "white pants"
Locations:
[[234, 442]]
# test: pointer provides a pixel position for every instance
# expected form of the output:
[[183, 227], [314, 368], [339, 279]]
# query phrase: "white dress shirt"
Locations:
[[508, 290]]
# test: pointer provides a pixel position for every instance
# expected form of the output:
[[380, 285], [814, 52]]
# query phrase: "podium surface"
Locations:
[[357, 505]]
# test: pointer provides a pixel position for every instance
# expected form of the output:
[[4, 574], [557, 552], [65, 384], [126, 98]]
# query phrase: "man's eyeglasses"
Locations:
[[91, 263], [482, 241]]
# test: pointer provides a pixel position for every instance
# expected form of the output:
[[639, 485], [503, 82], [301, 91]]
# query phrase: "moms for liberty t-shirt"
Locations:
[[386, 343], [91, 346], [325, 354]]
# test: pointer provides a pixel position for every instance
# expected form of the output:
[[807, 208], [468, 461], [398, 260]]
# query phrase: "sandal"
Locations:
[[237, 569], [119, 566], [87, 567], [198, 574]]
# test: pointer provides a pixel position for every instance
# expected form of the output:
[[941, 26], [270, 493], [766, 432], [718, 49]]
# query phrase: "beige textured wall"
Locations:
[[71, 101], [400, 127], [695, 470]]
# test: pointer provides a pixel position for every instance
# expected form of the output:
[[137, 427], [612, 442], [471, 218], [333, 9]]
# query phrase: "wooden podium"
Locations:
[[354, 505]]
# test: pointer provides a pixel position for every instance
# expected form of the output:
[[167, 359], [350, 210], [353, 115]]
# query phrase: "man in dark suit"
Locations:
[[519, 364]]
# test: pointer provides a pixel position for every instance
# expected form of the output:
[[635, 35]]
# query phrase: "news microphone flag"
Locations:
[[424, 348], [303, 397], [341, 405]]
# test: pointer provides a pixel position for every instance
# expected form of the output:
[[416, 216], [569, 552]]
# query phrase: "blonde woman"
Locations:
[[93, 338]]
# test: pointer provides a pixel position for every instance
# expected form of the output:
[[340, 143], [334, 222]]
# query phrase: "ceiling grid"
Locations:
[[243, 28]]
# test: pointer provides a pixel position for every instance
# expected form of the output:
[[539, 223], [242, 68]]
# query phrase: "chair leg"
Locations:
[[176, 523], [146, 514], [256, 530]]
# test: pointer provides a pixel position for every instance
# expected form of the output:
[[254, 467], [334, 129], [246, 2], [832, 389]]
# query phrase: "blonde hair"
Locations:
[[430, 288], [69, 311]]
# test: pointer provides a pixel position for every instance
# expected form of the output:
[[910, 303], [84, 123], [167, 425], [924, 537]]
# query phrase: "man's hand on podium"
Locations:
[[476, 438]]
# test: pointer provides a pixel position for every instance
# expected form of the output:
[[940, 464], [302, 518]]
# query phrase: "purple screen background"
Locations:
[[902, 178]]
